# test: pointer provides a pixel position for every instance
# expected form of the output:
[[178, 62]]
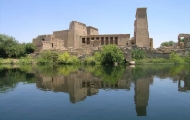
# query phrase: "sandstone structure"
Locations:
[[80, 38], [141, 33], [181, 47], [186, 43], [48, 42]]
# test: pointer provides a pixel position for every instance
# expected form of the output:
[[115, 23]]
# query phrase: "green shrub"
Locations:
[[187, 57], [26, 60], [175, 58], [138, 54], [1, 61], [111, 54], [90, 60], [65, 58], [97, 56], [47, 57], [141, 61]]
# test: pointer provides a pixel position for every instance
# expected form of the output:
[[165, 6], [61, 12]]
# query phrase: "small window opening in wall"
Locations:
[[107, 41], [92, 38], [102, 41], [116, 40], [83, 40], [43, 39], [97, 38], [88, 41], [52, 45], [127, 43], [111, 41]]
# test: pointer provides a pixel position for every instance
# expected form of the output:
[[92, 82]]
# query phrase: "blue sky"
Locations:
[[26, 19]]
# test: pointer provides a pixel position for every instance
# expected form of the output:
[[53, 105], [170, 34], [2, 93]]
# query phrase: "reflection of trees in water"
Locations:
[[10, 77], [54, 70], [83, 81], [161, 71], [109, 74]]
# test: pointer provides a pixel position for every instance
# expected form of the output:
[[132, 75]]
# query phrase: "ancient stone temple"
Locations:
[[141, 33], [82, 38]]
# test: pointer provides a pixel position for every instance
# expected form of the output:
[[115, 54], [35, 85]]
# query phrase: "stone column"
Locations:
[[178, 41], [104, 40]]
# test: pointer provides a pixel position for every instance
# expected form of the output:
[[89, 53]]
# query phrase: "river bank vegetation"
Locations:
[[106, 56], [13, 52]]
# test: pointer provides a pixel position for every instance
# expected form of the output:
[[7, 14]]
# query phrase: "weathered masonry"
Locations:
[[97, 40], [141, 33], [81, 36], [186, 41]]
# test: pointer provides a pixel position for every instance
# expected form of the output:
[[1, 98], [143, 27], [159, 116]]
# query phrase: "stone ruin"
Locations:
[[186, 43], [81, 40], [182, 48]]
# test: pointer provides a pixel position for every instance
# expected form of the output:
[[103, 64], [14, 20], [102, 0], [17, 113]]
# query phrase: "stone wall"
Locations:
[[63, 34], [38, 41], [187, 43], [151, 43], [48, 42], [92, 31], [76, 30], [164, 53]]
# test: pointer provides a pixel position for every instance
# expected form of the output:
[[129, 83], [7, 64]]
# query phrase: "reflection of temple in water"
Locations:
[[79, 84], [142, 95]]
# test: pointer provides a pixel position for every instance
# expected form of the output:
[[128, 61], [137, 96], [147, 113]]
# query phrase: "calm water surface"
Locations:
[[95, 93]]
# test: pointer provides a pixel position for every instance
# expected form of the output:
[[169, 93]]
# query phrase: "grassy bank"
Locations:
[[153, 61], [23, 60], [182, 60], [109, 55]]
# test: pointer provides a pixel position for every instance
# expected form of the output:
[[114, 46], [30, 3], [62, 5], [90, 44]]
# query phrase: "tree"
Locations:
[[167, 44], [9, 47], [29, 48], [171, 43], [111, 54], [6, 42]]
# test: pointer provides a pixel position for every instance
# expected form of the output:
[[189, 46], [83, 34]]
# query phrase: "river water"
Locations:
[[159, 92]]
